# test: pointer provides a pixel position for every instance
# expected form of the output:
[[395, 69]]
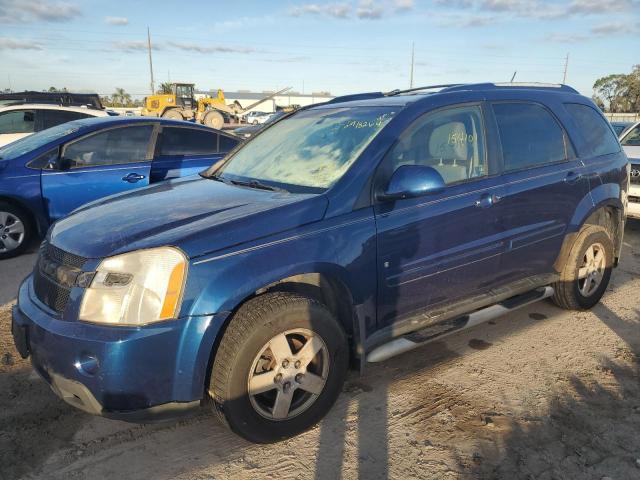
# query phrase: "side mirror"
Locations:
[[411, 181]]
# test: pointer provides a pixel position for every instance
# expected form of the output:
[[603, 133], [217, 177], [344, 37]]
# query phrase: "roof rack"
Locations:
[[417, 89], [527, 85], [356, 96], [89, 100]]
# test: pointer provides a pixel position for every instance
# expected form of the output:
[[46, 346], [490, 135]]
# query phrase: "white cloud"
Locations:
[[336, 10], [27, 11], [196, 47], [369, 9], [117, 21], [11, 44]]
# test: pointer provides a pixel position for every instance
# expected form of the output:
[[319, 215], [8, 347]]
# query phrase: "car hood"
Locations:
[[196, 214], [633, 153]]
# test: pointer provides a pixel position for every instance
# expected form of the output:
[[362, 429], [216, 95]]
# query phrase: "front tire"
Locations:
[[279, 367], [16, 231], [587, 270]]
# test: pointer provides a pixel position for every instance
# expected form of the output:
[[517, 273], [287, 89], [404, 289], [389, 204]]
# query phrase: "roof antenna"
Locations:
[[513, 76]]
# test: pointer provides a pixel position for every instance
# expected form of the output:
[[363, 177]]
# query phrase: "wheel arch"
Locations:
[[607, 212], [32, 216]]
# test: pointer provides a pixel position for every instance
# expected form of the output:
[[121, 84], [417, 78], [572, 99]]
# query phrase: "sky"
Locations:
[[339, 46]]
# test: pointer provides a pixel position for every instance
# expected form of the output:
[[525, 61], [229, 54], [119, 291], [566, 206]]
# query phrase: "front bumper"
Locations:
[[633, 209], [135, 374]]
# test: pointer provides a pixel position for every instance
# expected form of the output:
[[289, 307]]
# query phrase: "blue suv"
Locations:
[[345, 233], [45, 176]]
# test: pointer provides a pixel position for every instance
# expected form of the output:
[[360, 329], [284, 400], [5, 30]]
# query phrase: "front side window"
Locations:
[[530, 136], [312, 149], [111, 147], [632, 138], [450, 141], [18, 121], [181, 141], [595, 129]]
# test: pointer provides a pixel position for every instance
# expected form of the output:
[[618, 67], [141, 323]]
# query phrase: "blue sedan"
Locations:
[[47, 175]]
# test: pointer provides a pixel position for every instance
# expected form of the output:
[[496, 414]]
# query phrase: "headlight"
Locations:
[[136, 288]]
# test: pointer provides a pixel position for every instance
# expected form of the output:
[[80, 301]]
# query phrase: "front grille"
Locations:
[[635, 173], [54, 276]]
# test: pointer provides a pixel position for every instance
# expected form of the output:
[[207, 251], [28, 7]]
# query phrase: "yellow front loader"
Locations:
[[181, 104]]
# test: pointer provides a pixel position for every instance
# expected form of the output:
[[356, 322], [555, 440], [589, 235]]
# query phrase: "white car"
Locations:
[[630, 141], [257, 118], [20, 120]]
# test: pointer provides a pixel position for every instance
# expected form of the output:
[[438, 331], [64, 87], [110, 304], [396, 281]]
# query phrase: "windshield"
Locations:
[[37, 140], [311, 149], [632, 138]]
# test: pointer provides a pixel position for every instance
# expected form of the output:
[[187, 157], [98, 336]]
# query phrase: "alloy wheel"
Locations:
[[288, 374], [12, 232], [591, 272]]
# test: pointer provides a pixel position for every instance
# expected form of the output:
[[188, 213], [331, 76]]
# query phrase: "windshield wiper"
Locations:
[[256, 184]]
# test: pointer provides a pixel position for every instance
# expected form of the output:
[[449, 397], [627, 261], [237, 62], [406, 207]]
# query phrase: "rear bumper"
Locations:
[[633, 209], [134, 374]]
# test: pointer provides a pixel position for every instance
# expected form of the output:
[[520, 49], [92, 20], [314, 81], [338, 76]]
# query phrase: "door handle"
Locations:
[[133, 177], [573, 177], [487, 200]]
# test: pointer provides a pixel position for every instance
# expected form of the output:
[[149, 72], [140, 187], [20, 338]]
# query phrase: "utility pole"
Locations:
[[153, 87], [412, 59], [566, 65]]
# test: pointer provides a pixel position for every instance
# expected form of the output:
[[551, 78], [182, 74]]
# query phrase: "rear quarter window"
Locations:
[[595, 129]]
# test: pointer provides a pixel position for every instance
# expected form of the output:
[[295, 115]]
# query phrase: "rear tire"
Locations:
[[16, 230], [279, 368], [213, 119], [587, 271], [173, 114]]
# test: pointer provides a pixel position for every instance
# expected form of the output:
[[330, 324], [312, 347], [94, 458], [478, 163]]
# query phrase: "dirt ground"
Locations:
[[541, 394]]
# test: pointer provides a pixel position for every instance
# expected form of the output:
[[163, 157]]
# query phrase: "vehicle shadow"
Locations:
[[591, 429]]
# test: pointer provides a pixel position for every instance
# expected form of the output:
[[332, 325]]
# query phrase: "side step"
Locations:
[[421, 337]]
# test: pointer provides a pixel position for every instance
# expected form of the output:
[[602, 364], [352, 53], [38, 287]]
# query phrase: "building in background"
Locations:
[[246, 97]]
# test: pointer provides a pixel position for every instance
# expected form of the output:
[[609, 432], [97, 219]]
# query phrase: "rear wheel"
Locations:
[[279, 367], [15, 230], [213, 119], [587, 271], [173, 114]]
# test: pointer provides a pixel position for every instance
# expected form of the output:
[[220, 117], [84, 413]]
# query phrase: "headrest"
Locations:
[[449, 141]]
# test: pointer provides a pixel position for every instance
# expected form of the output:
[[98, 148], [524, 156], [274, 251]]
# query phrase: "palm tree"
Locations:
[[121, 98], [165, 89]]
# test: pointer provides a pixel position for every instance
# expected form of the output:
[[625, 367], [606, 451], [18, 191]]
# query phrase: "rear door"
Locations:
[[48, 118], [544, 183], [96, 165], [439, 248], [182, 151]]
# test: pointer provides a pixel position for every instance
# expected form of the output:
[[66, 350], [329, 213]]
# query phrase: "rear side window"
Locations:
[[110, 147], [595, 129], [530, 135], [632, 139], [187, 141], [227, 143], [18, 121], [51, 118]]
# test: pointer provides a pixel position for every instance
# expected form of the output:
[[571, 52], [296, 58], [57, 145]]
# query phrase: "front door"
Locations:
[[97, 165], [442, 247]]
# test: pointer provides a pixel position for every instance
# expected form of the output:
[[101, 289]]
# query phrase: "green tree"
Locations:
[[165, 89], [619, 92], [120, 98]]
